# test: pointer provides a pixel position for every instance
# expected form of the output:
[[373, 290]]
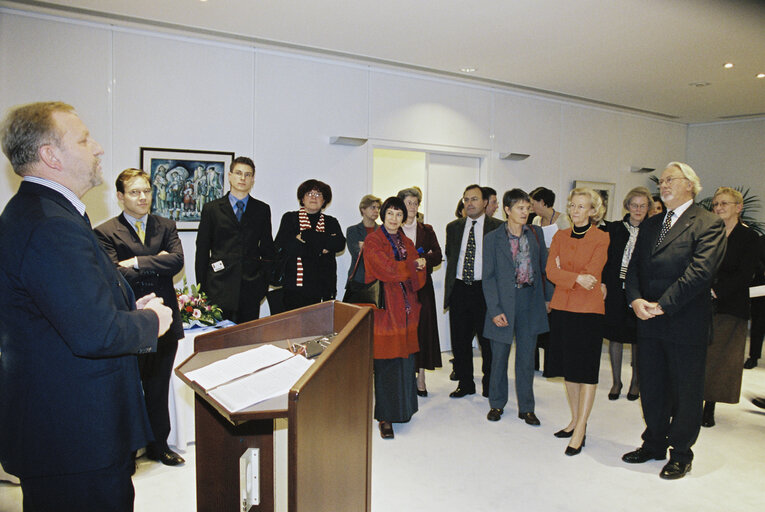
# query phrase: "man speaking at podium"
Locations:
[[71, 406]]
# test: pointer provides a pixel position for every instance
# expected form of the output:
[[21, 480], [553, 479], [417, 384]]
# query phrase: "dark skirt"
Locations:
[[395, 389], [620, 322], [429, 356], [724, 369], [576, 341]]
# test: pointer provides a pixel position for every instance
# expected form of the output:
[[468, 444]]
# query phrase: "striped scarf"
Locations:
[[304, 225]]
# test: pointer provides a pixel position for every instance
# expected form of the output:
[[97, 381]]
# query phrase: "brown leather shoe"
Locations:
[[386, 430]]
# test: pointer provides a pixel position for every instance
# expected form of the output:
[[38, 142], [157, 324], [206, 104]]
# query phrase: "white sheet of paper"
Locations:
[[757, 291], [549, 232], [274, 381], [238, 365]]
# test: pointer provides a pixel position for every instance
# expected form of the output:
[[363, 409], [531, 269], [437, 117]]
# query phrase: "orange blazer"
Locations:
[[577, 256]]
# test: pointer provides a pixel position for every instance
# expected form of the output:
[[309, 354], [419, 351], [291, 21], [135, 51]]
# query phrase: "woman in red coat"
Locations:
[[392, 258]]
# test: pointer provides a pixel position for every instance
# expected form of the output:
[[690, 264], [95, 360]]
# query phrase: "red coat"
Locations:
[[395, 331]]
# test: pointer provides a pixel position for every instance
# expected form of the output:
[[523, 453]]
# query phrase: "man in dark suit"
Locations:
[[235, 247], [71, 405], [463, 293], [669, 287], [147, 252]]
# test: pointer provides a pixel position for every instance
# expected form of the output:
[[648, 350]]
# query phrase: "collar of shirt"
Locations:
[[524, 229], [678, 211], [61, 189], [132, 220], [233, 199]]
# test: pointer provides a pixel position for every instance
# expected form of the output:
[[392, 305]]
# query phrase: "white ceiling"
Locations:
[[639, 55]]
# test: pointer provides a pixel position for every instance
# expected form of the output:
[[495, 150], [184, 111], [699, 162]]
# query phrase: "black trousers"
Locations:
[[672, 395], [467, 313], [105, 490], [156, 369], [757, 332]]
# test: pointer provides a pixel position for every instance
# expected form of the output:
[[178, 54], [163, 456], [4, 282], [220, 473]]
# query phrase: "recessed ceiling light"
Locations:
[[760, 75], [699, 84], [728, 65], [468, 70]]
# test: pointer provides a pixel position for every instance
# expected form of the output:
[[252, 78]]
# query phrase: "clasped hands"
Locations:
[[164, 313], [645, 310]]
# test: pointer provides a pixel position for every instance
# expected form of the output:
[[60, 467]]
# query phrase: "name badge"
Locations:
[[217, 266]]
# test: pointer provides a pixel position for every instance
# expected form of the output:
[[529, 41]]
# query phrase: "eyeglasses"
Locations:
[[245, 175], [314, 193], [634, 206], [721, 203], [580, 207], [135, 193], [668, 181]]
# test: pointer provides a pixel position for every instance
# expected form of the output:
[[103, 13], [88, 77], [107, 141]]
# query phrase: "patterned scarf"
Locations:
[[627, 255], [399, 253], [304, 225]]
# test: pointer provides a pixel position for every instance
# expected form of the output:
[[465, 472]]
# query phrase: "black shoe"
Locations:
[[615, 396], [453, 376], [460, 392], [570, 450], [708, 418], [564, 433], [673, 470], [530, 418], [750, 363], [632, 397], [759, 402], [423, 392], [494, 414], [386, 430], [167, 457], [642, 455]]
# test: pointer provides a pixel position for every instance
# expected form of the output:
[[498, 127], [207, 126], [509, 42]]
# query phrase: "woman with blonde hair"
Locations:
[[620, 321], [730, 292], [575, 263]]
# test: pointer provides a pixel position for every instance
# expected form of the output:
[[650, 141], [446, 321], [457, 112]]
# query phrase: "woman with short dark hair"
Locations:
[[392, 258], [310, 239]]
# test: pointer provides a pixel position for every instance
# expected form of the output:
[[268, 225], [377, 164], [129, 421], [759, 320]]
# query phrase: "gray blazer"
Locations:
[[499, 283], [353, 235]]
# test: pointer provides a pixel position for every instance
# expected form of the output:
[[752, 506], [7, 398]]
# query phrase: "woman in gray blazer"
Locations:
[[369, 207], [517, 297]]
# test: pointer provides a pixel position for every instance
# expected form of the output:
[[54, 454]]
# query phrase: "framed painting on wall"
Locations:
[[184, 180], [606, 191]]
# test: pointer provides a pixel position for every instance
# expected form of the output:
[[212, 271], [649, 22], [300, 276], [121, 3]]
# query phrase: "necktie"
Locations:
[[139, 231], [665, 227], [468, 270], [239, 210]]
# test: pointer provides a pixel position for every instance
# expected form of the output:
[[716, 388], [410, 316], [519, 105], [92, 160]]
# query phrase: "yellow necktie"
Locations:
[[139, 230]]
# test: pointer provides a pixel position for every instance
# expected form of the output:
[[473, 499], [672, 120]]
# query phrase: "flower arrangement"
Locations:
[[195, 308]]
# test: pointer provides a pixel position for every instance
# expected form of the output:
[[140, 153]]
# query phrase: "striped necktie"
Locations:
[[665, 227]]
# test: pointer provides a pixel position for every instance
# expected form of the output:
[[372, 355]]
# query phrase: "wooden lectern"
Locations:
[[328, 411]]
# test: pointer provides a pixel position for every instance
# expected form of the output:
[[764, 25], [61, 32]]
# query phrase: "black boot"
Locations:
[[708, 419]]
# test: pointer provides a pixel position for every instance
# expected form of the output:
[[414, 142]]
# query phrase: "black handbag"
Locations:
[[364, 293]]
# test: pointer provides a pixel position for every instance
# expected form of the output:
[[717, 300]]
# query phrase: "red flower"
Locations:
[[189, 309]]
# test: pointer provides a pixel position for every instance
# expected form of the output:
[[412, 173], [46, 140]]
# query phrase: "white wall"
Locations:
[[729, 154], [138, 88]]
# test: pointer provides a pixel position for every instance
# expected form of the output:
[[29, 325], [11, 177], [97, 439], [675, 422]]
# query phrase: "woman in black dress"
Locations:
[[620, 321], [424, 239]]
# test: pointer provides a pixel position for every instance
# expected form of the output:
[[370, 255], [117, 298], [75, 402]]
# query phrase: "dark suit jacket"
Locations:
[[155, 272], [246, 249], [499, 288], [70, 392], [454, 231], [737, 270], [678, 274]]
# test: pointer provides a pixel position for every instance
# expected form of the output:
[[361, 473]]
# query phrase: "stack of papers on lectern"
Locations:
[[249, 377]]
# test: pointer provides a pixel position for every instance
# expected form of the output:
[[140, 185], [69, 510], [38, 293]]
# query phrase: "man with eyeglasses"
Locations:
[[235, 247], [668, 285], [463, 291], [146, 250]]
